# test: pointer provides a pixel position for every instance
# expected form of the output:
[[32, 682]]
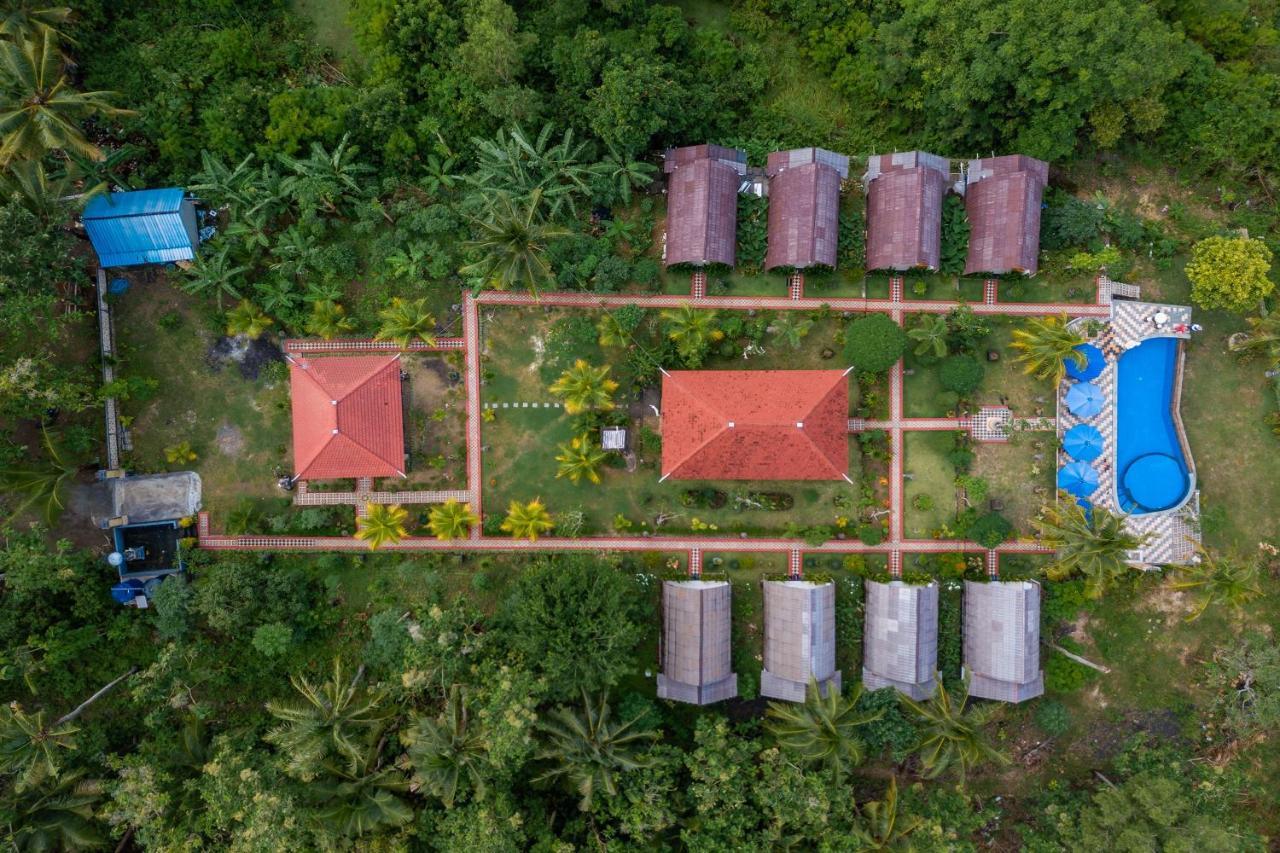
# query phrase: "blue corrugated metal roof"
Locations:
[[139, 227]]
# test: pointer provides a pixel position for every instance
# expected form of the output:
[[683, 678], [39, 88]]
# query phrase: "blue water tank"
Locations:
[[126, 591], [117, 286]]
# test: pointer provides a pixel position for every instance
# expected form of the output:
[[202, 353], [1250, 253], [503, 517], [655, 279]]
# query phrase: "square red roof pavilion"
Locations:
[[348, 417], [755, 425]]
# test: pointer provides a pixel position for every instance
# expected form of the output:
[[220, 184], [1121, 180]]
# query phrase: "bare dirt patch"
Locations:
[[229, 439]]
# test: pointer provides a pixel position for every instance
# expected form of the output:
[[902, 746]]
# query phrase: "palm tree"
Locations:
[[951, 736], [41, 484], [297, 254], [325, 179], [527, 521], [30, 750], [792, 327], [585, 388], [822, 730], [19, 19], [44, 195], [404, 319], [882, 827], [357, 802], [1231, 581], [588, 751], [625, 173], [532, 172], [1263, 338], [408, 265], [1096, 549], [451, 520], [329, 319], [693, 331], [247, 319], [278, 295], [930, 333], [580, 458], [382, 524], [235, 186], [39, 111], [611, 331], [213, 272], [96, 176], [58, 816], [1044, 344], [335, 720], [512, 244], [447, 754]]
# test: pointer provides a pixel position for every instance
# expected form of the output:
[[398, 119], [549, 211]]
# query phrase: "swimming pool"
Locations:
[[1152, 472]]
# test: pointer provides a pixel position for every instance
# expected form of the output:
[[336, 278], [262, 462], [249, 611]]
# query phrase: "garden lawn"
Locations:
[[1013, 473], [240, 428], [925, 459]]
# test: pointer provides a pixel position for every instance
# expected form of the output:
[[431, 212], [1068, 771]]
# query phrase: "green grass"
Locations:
[[329, 17], [1013, 474], [924, 458]]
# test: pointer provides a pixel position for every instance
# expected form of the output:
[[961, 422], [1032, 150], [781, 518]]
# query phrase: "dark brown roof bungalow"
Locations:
[[1003, 197], [702, 204], [804, 207], [904, 210]]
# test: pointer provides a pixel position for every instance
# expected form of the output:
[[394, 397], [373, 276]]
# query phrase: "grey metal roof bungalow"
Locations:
[[804, 207], [695, 643], [702, 204], [900, 638], [1002, 199], [904, 210], [799, 639], [1002, 640]]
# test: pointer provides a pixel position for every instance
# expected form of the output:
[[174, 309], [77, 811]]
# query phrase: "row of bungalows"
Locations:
[[703, 183], [900, 646], [1002, 199]]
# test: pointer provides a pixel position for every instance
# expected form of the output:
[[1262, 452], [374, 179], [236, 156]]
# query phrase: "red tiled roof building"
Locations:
[[904, 210], [755, 425], [804, 207], [348, 417], [702, 204], [1002, 198]]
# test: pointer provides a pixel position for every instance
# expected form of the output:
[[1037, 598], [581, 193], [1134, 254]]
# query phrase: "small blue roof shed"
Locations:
[[142, 227]]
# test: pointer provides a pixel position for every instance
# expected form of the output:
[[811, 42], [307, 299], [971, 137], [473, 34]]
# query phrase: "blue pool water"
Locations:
[[1151, 471]]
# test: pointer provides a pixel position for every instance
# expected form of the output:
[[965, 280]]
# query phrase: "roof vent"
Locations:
[[333, 402], [335, 430], [730, 424], [799, 424]]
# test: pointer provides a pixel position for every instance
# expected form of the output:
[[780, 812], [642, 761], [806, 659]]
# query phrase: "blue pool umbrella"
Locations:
[[1084, 399], [1083, 442], [1078, 478], [1092, 367]]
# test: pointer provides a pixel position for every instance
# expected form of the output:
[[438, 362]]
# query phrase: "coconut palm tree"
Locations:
[[1044, 344], [213, 272], [882, 827], [405, 319], [823, 730], [40, 484], [329, 319], [1263, 338], [451, 520], [625, 173], [247, 319], [448, 754], [324, 180], [59, 815], [1094, 548], [19, 19], [611, 331], [950, 735], [39, 111], [30, 749], [580, 458], [528, 520], [1230, 581], [588, 751], [382, 524], [792, 327], [43, 194], [693, 330], [585, 388], [512, 243], [930, 334], [327, 724], [353, 802]]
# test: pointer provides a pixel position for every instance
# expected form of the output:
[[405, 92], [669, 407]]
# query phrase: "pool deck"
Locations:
[[1172, 535]]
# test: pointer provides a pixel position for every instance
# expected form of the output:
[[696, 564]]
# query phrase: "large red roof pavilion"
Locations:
[[348, 417], [755, 425]]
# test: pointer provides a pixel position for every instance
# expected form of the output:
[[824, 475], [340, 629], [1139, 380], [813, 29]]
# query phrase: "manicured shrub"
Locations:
[[990, 530], [873, 343], [961, 373], [870, 534]]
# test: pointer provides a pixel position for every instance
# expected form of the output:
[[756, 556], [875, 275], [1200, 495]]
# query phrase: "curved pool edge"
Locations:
[[1175, 413]]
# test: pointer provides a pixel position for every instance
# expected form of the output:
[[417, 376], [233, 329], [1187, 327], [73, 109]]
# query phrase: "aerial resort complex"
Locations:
[[710, 426]]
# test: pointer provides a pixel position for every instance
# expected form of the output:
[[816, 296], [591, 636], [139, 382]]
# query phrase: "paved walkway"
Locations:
[[472, 344], [365, 494]]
